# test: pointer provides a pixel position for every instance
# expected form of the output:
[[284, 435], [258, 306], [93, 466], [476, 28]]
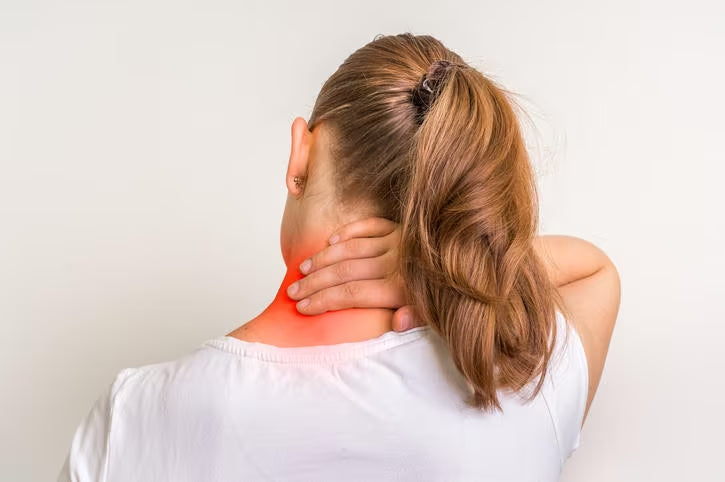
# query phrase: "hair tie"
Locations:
[[425, 93]]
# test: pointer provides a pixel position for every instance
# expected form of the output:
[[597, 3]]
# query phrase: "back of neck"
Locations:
[[280, 324]]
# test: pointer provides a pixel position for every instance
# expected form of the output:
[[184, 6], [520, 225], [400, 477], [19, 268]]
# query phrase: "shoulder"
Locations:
[[592, 304], [135, 396], [88, 455], [153, 380]]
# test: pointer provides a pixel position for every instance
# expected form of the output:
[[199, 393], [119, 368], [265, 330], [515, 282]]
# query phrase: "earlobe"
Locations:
[[299, 156]]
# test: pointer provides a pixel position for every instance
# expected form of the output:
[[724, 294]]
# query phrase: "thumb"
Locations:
[[405, 318]]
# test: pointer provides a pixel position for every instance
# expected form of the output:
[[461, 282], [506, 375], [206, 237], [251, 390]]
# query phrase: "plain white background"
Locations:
[[143, 147]]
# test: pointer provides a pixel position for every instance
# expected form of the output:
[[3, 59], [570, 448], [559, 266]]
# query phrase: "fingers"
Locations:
[[406, 318], [357, 270], [360, 239], [359, 294], [344, 250], [364, 228], [337, 274]]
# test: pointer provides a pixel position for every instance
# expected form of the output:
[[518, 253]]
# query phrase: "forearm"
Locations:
[[568, 259]]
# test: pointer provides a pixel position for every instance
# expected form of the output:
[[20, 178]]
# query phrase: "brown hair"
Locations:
[[436, 146]]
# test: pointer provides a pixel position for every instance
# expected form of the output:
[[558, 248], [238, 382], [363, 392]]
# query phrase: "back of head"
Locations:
[[436, 146]]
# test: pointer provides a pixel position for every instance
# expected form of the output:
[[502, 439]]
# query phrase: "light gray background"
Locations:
[[143, 147]]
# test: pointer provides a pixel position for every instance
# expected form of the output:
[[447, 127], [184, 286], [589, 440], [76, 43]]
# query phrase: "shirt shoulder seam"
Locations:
[[121, 381]]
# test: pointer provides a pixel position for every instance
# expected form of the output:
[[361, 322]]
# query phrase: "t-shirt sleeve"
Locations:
[[86, 460], [569, 387]]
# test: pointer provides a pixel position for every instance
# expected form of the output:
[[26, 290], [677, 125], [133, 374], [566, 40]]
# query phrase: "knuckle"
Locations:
[[343, 271], [324, 301], [351, 290]]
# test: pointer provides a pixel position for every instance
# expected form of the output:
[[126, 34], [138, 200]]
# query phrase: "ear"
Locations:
[[299, 155]]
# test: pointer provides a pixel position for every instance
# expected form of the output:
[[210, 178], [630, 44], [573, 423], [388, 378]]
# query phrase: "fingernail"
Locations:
[[334, 239], [405, 322], [305, 266], [303, 304], [293, 288]]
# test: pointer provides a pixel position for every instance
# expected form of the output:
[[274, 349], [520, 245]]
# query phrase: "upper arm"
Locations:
[[592, 304]]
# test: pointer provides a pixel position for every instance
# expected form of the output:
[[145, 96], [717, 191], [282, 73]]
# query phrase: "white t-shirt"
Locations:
[[386, 409]]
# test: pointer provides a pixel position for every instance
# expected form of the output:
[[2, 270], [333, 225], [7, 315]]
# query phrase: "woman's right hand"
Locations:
[[358, 270]]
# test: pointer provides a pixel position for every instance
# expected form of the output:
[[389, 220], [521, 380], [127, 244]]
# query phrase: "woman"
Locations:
[[413, 168]]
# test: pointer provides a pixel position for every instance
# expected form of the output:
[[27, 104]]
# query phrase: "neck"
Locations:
[[281, 324]]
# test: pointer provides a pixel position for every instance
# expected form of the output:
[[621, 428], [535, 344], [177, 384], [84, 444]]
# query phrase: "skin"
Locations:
[[589, 284], [312, 216], [342, 262]]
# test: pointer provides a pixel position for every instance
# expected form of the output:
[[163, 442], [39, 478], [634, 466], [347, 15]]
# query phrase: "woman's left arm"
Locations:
[[339, 277]]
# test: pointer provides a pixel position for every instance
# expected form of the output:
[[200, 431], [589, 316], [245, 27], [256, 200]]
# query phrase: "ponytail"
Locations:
[[443, 156], [468, 226]]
